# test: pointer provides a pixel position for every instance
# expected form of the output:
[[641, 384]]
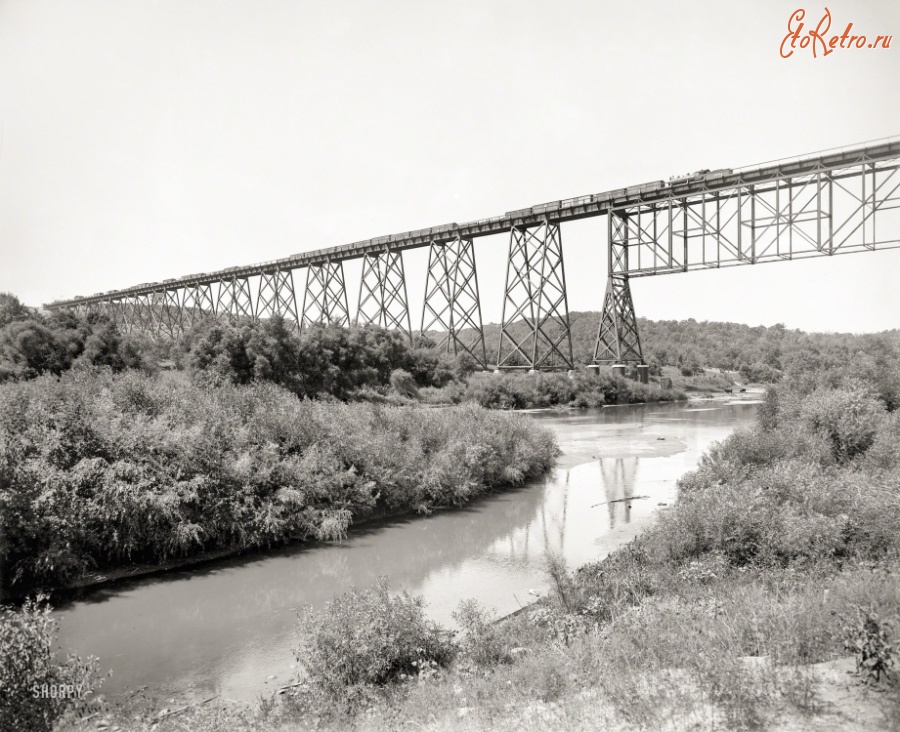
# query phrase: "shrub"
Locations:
[[849, 419], [36, 345], [29, 668], [366, 638], [868, 638], [403, 382], [483, 643]]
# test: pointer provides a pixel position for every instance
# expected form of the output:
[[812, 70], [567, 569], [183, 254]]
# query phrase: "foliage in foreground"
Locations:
[[36, 689], [369, 638], [99, 469], [782, 552]]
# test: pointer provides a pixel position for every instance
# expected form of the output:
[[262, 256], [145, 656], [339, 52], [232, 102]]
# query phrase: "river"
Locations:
[[228, 627]]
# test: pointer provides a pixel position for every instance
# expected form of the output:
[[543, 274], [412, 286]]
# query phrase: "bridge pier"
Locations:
[[535, 294], [643, 373], [452, 301], [235, 298], [382, 293], [325, 296], [618, 342], [275, 296]]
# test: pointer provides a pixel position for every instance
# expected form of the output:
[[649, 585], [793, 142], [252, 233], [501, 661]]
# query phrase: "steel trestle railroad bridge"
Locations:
[[835, 202]]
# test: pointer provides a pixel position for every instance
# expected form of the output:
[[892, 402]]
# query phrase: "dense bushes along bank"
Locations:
[[581, 388], [98, 470]]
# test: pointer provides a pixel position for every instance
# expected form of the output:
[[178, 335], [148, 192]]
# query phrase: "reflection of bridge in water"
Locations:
[[818, 205], [618, 476], [617, 481]]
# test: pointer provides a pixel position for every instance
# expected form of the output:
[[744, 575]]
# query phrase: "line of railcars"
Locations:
[[445, 231], [628, 193]]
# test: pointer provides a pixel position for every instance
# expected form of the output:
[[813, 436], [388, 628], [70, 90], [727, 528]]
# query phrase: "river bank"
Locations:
[[96, 579], [106, 471], [228, 626], [735, 610]]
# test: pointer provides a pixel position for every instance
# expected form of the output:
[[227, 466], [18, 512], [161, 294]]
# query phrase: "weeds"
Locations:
[[364, 639], [36, 689], [868, 638]]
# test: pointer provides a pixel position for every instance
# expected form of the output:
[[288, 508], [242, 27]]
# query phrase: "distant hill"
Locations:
[[761, 353]]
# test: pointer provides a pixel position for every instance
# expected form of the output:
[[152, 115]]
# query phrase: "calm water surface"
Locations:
[[228, 627]]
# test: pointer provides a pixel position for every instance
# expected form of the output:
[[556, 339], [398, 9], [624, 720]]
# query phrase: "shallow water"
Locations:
[[227, 628]]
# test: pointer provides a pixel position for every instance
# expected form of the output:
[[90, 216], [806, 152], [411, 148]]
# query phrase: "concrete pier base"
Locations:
[[643, 373], [619, 369]]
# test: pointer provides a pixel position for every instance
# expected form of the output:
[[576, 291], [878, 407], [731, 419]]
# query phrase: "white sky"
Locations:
[[146, 140]]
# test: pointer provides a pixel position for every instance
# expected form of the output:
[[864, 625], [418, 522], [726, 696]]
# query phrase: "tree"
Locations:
[[12, 310], [28, 348]]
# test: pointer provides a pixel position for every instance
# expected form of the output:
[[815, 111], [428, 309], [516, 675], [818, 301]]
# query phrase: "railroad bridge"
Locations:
[[828, 203]]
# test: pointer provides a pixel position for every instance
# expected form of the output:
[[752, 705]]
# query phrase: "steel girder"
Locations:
[[535, 294], [822, 213], [382, 293], [452, 303], [617, 336], [325, 296]]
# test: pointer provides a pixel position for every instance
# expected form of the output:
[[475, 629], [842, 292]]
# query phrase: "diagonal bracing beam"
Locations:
[[275, 297], [198, 305], [235, 300], [618, 341]]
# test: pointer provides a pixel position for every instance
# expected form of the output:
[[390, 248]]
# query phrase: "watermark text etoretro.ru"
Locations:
[[819, 42]]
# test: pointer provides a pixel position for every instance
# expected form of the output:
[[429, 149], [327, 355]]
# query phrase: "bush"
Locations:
[[580, 389], [99, 469], [321, 360], [367, 638], [483, 643], [403, 383], [29, 667], [34, 345], [849, 419]]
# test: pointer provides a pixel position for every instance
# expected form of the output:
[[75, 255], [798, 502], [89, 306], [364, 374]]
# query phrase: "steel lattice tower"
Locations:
[[451, 301], [276, 296], [382, 292], [325, 297], [536, 296], [618, 341]]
